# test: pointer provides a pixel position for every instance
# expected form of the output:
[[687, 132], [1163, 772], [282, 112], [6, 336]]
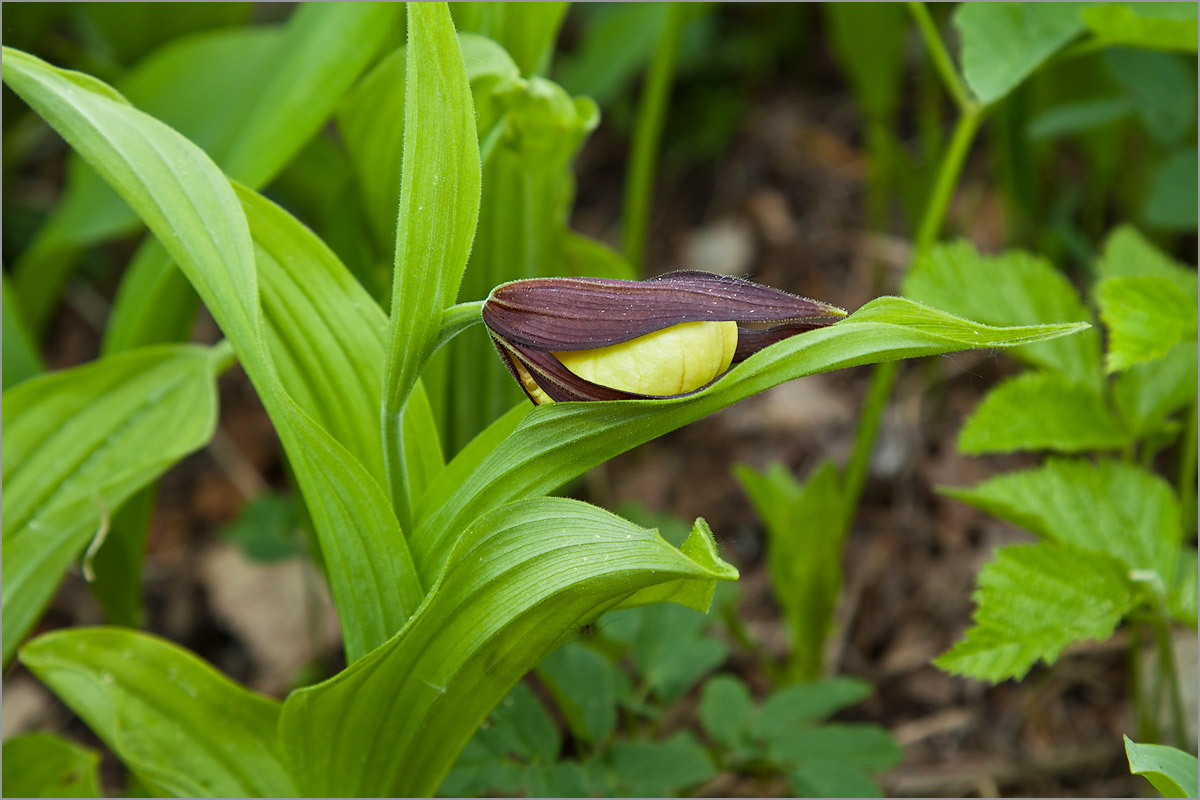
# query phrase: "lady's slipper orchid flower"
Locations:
[[604, 339]]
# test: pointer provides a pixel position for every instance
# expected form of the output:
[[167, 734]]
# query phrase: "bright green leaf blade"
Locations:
[[1033, 601], [439, 206], [193, 209], [1148, 393], [1162, 26], [249, 97], [1145, 316], [173, 719], [521, 726], [1118, 509], [1129, 254], [558, 442], [519, 582], [659, 769], [155, 303], [43, 765], [1014, 288], [585, 686], [805, 703], [725, 709], [1172, 771], [75, 448], [526, 30], [1003, 43], [804, 554], [834, 760], [1183, 598], [1042, 411], [21, 358], [1069, 119]]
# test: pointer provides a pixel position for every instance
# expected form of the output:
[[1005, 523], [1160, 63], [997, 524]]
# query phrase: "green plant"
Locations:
[[451, 580], [1113, 530], [1172, 772]]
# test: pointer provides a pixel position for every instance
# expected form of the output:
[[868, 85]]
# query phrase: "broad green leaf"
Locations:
[[21, 358], [1121, 510], [586, 687], [658, 769], [1014, 288], [43, 765], [1171, 203], [1003, 43], [806, 703], [250, 98], [1170, 770], [867, 40], [527, 190], [117, 566], [520, 726], [804, 554], [1128, 254], [1145, 318], [479, 772], [155, 303], [526, 30], [197, 215], [1042, 411], [1148, 393], [835, 760], [175, 721], [77, 444], [669, 644], [371, 121], [1033, 601], [726, 708], [1183, 598], [439, 206], [558, 442], [130, 30], [1161, 26], [1161, 88], [561, 779], [519, 582]]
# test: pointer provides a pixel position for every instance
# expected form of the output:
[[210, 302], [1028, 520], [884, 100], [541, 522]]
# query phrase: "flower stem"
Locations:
[[941, 57], [647, 136]]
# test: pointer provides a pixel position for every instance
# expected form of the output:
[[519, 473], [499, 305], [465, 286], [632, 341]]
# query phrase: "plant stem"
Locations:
[[1166, 667], [222, 356], [1187, 472], [941, 57], [456, 319], [882, 380], [948, 174], [1140, 715], [647, 136]]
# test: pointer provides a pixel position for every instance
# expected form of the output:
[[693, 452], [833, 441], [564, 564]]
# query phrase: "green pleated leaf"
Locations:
[[155, 303], [1148, 393], [181, 726], [371, 121], [1145, 317], [520, 582], [1171, 771], [1160, 26], [249, 97], [1013, 288], [439, 205], [1042, 411], [558, 442], [192, 208], [43, 765], [1003, 43], [21, 358], [1033, 601], [77, 444], [526, 30], [804, 553], [1121, 510]]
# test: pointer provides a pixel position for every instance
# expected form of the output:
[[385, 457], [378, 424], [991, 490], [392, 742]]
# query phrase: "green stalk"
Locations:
[[647, 136], [884, 376], [941, 57], [1141, 715], [1168, 672], [1187, 472]]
